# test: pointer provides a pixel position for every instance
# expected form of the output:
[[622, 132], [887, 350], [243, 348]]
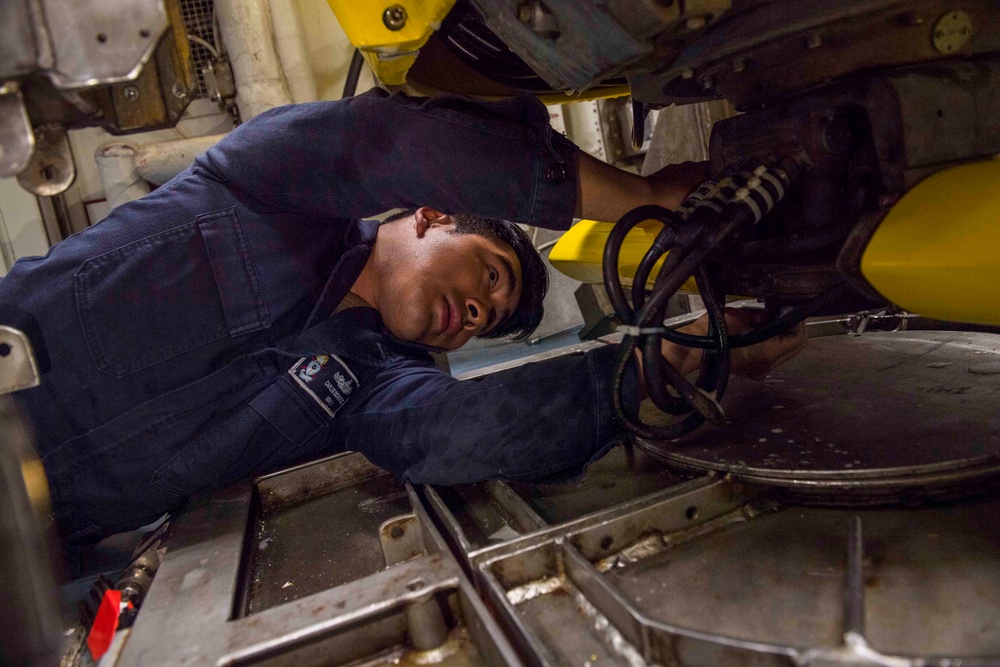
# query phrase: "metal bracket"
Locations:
[[401, 539], [51, 170], [102, 41], [17, 141], [18, 369]]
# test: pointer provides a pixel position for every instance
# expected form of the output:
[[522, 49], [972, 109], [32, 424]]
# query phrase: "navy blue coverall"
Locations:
[[186, 342]]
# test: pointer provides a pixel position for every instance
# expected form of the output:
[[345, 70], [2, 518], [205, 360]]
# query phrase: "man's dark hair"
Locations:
[[534, 277]]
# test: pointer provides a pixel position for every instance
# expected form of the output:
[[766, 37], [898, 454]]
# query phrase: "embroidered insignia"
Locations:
[[326, 379]]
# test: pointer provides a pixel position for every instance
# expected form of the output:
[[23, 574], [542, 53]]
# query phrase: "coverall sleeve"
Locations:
[[544, 421], [362, 156]]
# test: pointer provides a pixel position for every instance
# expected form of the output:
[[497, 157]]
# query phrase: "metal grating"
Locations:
[[199, 21]]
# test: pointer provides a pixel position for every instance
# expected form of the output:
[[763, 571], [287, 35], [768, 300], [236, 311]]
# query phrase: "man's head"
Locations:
[[440, 280]]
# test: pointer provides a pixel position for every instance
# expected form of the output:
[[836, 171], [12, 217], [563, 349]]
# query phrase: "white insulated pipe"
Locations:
[[159, 162], [121, 180], [126, 169], [268, 54], [293, 53], [247, 33]]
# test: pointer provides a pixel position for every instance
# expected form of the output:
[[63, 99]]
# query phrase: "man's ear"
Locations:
[[426, 216]]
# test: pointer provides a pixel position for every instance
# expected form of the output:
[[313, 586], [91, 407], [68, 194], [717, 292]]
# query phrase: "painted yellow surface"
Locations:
[[390, 53], [937, 252], [580, 252]]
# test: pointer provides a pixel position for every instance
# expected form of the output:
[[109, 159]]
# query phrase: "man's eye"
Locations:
[[493, 277]]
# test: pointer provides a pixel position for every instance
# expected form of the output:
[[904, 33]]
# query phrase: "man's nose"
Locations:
[[476, 312]]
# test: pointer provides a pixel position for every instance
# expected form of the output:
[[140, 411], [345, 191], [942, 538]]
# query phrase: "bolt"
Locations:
[[394, 17], [179, 91], [130, 93], [739, 65], [813, 40], [707, 83], [131, 591], [687, 74]]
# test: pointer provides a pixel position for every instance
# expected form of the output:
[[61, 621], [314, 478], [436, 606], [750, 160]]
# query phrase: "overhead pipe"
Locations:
[[269, 59], [248, 35], [127, 169], [293, 53]]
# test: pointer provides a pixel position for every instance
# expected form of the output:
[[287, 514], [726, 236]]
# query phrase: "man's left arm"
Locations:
[[542, 421], [546, 420]]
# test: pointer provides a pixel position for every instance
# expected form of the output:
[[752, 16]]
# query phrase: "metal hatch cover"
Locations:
[[880, 418]]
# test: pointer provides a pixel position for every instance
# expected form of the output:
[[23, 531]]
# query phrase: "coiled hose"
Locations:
[[706, 220]]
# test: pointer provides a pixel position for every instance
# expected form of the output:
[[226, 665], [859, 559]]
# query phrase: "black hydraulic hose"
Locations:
[[781, 323], [661, 244], [790, 318], [719, 209], [612, 250], [793, 244], [353, 74], [660, 373]]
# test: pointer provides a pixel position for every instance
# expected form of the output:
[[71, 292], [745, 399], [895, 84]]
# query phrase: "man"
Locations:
[[246, 315]]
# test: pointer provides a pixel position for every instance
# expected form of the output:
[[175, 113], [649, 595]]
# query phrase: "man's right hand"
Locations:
[[754, 361]]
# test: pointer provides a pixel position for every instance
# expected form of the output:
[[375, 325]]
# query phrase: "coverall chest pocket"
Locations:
[[170, 293], [273, 428]]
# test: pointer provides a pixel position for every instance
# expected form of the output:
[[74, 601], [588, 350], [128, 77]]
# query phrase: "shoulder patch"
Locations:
[[326, 379]]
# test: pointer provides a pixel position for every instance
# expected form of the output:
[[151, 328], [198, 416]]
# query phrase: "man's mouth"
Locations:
[[451, 321]]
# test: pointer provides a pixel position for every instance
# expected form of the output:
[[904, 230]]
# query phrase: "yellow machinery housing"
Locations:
[[937, 252], [390, 35], [579, 253]]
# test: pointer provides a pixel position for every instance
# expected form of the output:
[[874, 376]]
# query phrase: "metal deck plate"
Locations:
[[883, 417], [300, 549], [930, 580]]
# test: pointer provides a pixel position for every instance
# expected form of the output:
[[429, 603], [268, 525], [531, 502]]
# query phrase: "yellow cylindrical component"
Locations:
[[390, 33], [579, 253], [937, 252]]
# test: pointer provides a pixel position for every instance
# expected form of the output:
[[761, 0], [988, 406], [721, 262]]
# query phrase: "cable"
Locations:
[[353, 74], [205, 45], [706, 220]]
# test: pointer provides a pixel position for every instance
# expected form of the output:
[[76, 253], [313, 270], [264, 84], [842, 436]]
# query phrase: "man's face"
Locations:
[[444, 288]]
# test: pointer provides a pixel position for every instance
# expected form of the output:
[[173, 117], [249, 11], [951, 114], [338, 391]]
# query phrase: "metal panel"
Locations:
[[419, 611]]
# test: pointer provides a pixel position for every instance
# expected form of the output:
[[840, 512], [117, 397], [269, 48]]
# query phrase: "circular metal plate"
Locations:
[[884, 417]]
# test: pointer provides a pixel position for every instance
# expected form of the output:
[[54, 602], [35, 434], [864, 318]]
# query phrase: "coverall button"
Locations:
[[556, 174]]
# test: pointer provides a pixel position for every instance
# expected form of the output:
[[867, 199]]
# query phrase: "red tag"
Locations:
[[105, 623]]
